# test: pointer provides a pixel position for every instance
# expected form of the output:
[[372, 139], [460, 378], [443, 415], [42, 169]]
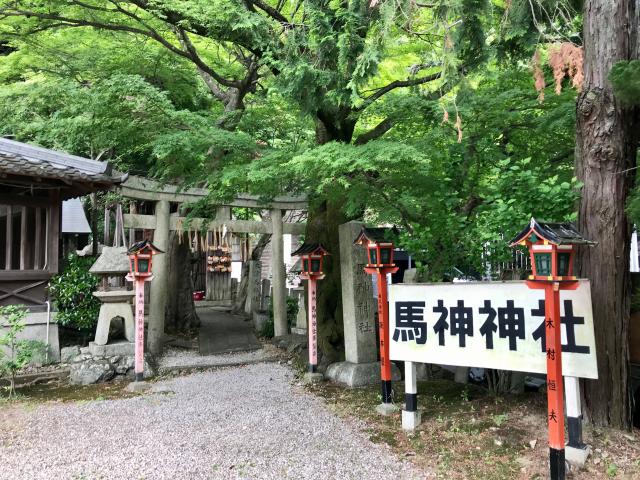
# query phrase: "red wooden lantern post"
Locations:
[[380, 263], [311, 256], [140, 268], [552, 249]]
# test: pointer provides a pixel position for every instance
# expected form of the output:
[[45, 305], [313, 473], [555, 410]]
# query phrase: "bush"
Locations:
[[72, 293], [268, 328], [18, 353]]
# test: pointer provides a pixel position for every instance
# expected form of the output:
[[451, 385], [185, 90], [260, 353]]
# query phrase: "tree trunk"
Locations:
[[605, 150], [180, 311], [322, 227], [256, 254]]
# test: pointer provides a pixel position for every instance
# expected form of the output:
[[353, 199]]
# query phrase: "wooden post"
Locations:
[[53, 233], [158, 290], [9, 239], [139, 345], [23, 238], [37, 251], [313, 327], [279, 277], [555, 395], [383, 321]]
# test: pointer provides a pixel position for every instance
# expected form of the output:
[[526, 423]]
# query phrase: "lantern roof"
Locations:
[[308, 248], [112, 261], [553, 233], [375, 235], [143, 245]]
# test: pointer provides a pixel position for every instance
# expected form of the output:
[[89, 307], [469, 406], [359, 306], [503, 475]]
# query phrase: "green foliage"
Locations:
[[625, 78], [72, 293], [15, 354], [267, 329]]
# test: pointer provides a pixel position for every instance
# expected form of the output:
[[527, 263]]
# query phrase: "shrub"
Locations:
[[18, 353], [72, 293], [292, 312]]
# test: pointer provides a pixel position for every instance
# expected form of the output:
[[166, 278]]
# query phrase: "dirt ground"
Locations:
[[466, 433]]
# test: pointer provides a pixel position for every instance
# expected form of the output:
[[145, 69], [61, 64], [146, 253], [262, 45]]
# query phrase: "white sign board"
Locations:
[[497, 325]]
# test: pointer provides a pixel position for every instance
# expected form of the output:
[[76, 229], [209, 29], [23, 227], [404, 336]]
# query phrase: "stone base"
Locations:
[[109, 311], [138, 387], [577, 457], [410, 420], [310, 378], [122, 348], [299, 331], [387, 409], [359, 374]]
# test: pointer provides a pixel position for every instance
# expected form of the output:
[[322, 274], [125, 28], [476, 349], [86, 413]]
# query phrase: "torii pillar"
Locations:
[[279, 276], [158, 288]]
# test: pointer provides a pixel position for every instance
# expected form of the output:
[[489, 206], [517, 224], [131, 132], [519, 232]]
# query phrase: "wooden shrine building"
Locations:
[[34, 181]]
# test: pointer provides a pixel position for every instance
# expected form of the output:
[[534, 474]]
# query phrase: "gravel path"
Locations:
[[176, 358], [236, 423]]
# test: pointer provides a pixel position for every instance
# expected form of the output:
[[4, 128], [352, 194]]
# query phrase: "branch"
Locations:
[[207, 76], [396, 84], [376, 132], [272, 12], [149, 32]]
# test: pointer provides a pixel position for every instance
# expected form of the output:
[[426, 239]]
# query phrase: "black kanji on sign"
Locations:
[[489, 327], [511, 323], [410, 323], [461, 322], [551, 354], [441, 325], [540, 333], [551, 385], [570, 321], [553, 417]]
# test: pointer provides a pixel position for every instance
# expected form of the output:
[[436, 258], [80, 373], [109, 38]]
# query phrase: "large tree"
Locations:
[[606, 154]]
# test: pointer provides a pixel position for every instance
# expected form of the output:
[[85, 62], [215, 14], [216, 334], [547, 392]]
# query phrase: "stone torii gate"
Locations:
[[140, 188]]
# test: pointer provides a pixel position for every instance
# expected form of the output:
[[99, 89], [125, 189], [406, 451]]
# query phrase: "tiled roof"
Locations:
[[307, 248], [29, 160], [555, 233], [376, 235]]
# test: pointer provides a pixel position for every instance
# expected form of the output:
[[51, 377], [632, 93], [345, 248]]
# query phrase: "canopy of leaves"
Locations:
[[420, 115]]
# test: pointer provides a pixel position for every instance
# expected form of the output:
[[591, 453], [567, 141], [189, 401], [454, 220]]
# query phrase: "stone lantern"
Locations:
[[116, 301]]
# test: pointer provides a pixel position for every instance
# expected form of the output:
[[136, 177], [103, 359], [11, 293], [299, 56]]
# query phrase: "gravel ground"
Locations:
[[176, 357], [236, 423]]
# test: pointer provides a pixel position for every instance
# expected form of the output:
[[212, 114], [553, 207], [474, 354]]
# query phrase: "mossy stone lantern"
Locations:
[[141, 258], [379, 246], [552, 249]]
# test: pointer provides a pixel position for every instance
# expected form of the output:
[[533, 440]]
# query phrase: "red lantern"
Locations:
[[551, 246], [311, 259], [141, 258], [379, 247], [552, 250]]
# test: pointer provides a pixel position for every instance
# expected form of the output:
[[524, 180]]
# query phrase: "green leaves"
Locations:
[[72, 293], [625, 78]]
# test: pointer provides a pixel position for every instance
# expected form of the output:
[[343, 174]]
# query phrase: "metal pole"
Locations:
[[555, 386], [139, 346], [312, 327], [574, 411]]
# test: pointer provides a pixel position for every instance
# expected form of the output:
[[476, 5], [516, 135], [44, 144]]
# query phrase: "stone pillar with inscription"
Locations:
[[358, 311]]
